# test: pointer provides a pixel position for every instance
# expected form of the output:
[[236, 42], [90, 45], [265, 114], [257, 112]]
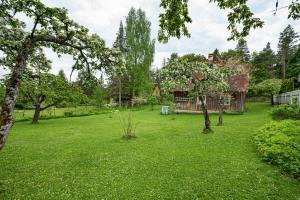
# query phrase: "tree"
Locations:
[[243, 48], [51, 28], [196, 77], [87, 82], [45, 89], [172, 58], [140, 51], [99, 95], [294, 66], [287, 46], [119, 72], [62, 75], [175, 17], [270, 87], [263, 65]]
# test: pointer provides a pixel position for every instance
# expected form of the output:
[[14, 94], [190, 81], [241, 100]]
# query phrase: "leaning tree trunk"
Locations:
[[206, 116], [12, 91], [36, 115]]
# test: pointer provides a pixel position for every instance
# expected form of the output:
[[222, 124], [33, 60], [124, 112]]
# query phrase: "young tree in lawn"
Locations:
[[287, 45], [270, 87], [243, 48], [139, 51], [52, 29], [197, 78], [175, 17]]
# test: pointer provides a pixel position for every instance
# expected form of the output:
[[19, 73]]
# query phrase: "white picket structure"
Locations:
[[288, 98]]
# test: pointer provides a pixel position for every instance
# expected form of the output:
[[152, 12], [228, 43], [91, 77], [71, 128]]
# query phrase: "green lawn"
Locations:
[[85, 158]]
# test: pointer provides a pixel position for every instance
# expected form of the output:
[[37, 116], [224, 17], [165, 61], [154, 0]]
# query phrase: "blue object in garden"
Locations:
[[165, 110]]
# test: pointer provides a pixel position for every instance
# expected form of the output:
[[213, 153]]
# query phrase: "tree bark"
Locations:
[[207, 127], [284, 64], [120, 92], [221, 109], [272, 99], [12, 91], [36, 115]]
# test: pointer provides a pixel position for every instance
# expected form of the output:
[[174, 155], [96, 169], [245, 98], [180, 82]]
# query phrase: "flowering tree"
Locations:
[[52, 28], [197, 78], [270, 86]]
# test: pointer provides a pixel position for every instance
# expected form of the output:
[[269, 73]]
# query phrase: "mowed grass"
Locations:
[[85, 158]]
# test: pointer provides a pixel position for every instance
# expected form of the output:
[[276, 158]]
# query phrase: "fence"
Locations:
[[288, 98]]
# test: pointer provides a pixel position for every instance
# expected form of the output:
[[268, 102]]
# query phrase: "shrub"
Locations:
[[68, 114], [153, 100], [279, 144], [128, 126], [139, 101], [286, 112]]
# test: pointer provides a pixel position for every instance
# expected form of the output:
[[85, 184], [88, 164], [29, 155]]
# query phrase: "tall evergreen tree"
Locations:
[[118, 77], [243, 48], [62, 75], [293, 71], [263, 64], [140, 50], [172, 58], [287, 46]]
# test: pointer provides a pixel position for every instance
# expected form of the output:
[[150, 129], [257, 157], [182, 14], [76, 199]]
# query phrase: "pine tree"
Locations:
[[62, 75], [287, 46], [172, 58], [120, 40], [263, 64], [117, 79], [140, 50], [243, 47]]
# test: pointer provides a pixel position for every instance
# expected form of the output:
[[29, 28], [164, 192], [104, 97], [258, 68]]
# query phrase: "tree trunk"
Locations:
[[284, 63], [12, 91], [36, 115], [272, 99], [120, 92], [207, 127], [133, 94], [221, 108]]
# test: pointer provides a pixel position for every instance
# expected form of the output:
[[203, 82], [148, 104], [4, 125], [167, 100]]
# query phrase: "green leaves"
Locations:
[[241, 19], [272, 86], [173, 20]]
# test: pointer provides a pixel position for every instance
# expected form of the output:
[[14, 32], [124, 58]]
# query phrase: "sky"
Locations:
[[208, 29]]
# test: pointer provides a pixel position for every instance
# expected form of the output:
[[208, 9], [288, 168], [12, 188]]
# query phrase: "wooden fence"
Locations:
[[288, 98]]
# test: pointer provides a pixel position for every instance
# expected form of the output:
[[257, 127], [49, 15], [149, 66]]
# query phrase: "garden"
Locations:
[[86, 158], [93, 105]]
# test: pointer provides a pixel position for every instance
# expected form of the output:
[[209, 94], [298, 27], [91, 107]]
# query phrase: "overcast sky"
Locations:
[[208, 29]]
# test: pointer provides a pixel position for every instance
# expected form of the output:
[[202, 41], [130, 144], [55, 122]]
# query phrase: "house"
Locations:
[[234, 100]]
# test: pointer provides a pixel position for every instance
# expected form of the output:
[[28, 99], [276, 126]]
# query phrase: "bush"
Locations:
[[139, 101], [153, 100], [128, 126], [286, 112], [68, 114], [279, 144]]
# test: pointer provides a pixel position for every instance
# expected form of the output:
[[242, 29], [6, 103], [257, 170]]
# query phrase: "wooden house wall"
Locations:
[[237, 103]]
